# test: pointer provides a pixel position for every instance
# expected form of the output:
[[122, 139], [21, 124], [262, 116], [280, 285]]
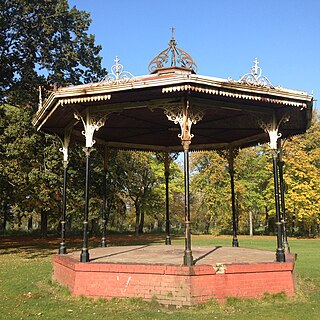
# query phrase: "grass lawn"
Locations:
[[26, 291]]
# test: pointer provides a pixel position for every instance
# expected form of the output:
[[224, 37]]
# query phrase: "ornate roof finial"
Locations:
[[172, 32], [117, 75], [179, 58], [255, 77], [255, 67]]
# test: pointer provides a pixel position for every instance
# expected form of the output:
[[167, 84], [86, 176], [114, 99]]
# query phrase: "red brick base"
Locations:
[[173, 285]]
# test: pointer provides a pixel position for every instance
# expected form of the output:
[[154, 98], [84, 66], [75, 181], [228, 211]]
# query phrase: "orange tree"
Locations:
[[302, 177]]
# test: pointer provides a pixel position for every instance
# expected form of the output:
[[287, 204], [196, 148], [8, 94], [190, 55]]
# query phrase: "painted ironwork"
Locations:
[[106, 156], [280, 254], [185, 117], [84, 256], [282, 197], [167, 158], [91, 123], [254, 77], [172, 57], [230, 154], [65, 151], [118, 75], [272, 128], [40, 98]]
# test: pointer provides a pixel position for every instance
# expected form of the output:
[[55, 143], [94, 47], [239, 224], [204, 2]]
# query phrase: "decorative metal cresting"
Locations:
[[254, 77], [117, 75], [172, 57]]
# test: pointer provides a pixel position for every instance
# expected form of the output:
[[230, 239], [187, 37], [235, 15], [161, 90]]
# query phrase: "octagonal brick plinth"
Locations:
[[173, 284]]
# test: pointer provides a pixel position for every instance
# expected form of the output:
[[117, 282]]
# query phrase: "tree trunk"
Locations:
[[137, 207], [69, 223], [94, 226], [251, 223], [156, 224], [44, 224], [266, 228], [3, 225], [141, 224], [207, 225], [30, 223]]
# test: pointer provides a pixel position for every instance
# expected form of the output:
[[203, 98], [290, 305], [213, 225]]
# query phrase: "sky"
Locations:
[[222, 36]]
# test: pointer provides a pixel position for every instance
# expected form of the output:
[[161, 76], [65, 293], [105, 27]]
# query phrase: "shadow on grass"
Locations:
[[32, 247]]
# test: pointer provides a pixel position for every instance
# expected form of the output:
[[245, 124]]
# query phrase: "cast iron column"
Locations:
[[104, 200], [283, 207], [280, 255], [84, 257], [185, 117], [166, 175], [63, 249], [187, 259], [235, 242], [103, 211]]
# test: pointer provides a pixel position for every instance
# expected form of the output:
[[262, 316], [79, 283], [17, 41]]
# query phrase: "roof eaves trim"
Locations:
[[225, 93]]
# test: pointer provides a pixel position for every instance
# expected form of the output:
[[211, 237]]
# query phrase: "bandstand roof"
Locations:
[[139, 109]]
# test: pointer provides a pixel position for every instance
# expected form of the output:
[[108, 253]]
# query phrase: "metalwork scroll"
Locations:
[[254, 77], [177, 56], [91, 123]]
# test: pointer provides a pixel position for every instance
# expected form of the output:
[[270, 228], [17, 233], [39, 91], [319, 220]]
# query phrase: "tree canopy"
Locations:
[[44, 42]]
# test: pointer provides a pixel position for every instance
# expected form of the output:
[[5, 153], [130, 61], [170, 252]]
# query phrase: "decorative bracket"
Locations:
[[185, 117], [167, 158], [229, 154], [65, 146], [272, 129], [91, 124]]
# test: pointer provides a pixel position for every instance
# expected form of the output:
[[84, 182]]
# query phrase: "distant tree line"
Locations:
[[254, 188]]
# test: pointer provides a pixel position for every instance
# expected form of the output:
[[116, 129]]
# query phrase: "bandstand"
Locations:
[[174, 109]]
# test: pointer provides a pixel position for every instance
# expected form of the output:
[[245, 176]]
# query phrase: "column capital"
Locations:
[[272, 128], [65, 146], [185, 116], [92, 122]]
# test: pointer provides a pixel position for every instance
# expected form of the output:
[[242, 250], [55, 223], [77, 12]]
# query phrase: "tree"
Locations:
[[302, 177], [212, 195], [253, 176], [210, 191], [41, 43], [44, 42], [138, 179]]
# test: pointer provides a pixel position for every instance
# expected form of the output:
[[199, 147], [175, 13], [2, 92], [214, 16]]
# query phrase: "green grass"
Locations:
[[26, 291]]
